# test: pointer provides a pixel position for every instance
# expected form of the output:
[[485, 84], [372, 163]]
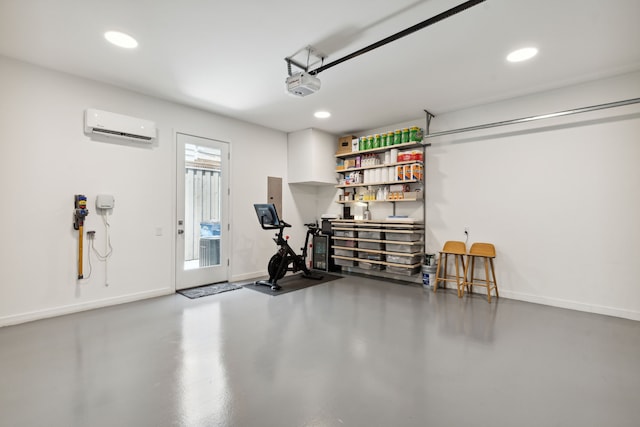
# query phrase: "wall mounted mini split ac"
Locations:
[[118, 126]]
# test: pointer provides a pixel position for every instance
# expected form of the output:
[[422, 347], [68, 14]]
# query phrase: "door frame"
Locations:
[[226, 243]]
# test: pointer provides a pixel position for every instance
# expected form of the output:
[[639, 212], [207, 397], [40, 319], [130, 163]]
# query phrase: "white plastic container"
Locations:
[[387, 157], [394, 155], [428, 276]]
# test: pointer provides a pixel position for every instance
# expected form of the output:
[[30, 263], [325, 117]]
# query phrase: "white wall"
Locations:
[[311, 170], [559, 198], [45, 158]]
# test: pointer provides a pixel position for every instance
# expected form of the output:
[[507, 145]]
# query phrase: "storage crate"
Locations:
[[400, 259], [370, 266], [409, 249], [404, 271], [344, 233], [345, 262], [343, 252], [377, 235], [369, 255], [370, 245], [346, 243], [404, 237]]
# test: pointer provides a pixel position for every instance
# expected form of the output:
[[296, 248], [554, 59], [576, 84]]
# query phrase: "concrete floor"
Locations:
[[352, 352]]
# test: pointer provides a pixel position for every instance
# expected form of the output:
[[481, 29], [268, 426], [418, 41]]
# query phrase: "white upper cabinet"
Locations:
[[310, 157]]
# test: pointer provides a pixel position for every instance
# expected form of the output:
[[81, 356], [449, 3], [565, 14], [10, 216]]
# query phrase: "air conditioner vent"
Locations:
[[119, 126]]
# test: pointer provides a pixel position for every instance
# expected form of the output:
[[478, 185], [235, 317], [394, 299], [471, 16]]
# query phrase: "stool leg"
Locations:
[[458, 276], [473, 266], [488, 280], [444, 276], [464, 268], [466, 272], [493, 273], [435, 286]]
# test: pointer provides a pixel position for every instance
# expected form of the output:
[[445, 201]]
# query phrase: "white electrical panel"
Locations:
[[105, 201]]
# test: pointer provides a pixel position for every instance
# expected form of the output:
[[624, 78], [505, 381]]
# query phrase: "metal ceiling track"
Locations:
[[394, 37], [528, 119]]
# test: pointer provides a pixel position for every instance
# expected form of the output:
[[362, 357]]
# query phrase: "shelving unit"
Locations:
[[387, 248], [403, 146], [377, 201], [408, 181], [384, 176], [390, 247]]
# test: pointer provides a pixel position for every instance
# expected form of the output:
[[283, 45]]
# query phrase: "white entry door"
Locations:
[[202, 240]]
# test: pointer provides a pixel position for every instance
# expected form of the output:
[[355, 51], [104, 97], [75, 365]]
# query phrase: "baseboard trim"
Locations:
[[572, 305], [562, 303], [248, 276], [84, 306], [520, 296]]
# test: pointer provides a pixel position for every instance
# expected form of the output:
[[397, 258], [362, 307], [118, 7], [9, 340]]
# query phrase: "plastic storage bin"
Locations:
[[345, 262], [347, 243], [404, 237], [344, 233], [370, 266], [404, 271], [370, 245], [399, 259], [343, 252], [369, 255], [377, 235], [409, 249]]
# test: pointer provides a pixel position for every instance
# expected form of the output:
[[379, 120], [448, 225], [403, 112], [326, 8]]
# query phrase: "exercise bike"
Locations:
[[285, 259]]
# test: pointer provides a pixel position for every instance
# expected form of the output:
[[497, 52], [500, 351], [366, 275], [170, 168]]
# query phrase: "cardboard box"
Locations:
[[349, 163], [344, 144]]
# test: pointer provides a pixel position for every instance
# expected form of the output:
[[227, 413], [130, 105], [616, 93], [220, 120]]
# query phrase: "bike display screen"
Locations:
[[267, 214]]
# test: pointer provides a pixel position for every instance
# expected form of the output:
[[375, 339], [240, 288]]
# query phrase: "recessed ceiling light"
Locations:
[[322, 114], [121, 39], [522, 54]]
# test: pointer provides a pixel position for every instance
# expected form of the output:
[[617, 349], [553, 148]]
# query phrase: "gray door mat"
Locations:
[[206, 290]]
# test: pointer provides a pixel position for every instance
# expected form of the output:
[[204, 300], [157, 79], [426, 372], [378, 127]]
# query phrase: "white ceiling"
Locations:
[[228, 56]]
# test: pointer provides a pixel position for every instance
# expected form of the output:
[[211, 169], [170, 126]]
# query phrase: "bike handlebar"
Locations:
[[280, 226], [311, 226]]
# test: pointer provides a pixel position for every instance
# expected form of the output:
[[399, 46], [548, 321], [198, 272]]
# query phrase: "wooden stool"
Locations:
[[458, 250], [488, 252]]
